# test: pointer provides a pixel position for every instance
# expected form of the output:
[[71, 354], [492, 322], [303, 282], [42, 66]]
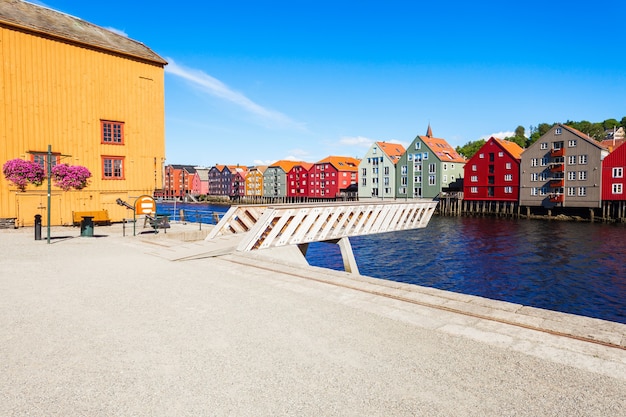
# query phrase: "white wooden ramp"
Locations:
[[270, 226]]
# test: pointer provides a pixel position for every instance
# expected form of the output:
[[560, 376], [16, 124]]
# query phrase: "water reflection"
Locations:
[[577, 268]]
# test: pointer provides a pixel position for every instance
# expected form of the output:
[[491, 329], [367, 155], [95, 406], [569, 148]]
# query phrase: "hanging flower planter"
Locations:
[[67, 176], [21, 173]]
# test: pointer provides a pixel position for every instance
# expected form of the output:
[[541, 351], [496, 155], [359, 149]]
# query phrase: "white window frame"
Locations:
[[617, 188], [618, 172]]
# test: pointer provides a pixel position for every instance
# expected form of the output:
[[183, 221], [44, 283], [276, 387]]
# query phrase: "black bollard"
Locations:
[[37, 226]]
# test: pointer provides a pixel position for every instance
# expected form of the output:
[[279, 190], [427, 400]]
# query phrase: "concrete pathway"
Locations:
[[106, 326]]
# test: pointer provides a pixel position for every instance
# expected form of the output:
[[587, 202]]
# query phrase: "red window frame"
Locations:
[[112, 168], [111, 133], [41, 157]]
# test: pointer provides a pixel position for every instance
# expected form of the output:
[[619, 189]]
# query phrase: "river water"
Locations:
[[577, 268]]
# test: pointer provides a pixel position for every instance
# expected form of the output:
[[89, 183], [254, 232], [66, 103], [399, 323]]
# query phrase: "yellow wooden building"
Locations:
[[96, 97]]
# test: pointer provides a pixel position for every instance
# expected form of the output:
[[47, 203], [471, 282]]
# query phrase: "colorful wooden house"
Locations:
[[377, 170], [203, 178], [492, 174], [613, 182], [332, 174], [179, 180], [216, 184], [94, 97], [562, 168], [298, 181], [428, 165], [254, 181], [275, 178], [235, 178]]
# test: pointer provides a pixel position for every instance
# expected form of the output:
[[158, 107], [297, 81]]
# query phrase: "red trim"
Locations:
[[123, 168], [112, 125]]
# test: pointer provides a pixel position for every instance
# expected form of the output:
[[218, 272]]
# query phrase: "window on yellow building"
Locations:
[[112, 132], [113, 167], [41, 157]]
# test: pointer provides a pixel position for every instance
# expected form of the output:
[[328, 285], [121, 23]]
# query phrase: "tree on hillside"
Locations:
[[609, 124], [623, 122], [538, 132], [519, 138], [594, 130], [470, 148]]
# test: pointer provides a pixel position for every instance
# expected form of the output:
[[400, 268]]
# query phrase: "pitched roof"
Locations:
[[583, 136], [442, 149], [189, 168], [511, 147], [341, 163], [260, 168], [612, 144], [43, 21], [285, 164], [203, 173], [393, 150], [305, 165], [243, 170]]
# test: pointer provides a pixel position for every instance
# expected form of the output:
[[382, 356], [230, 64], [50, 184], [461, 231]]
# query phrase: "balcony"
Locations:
[[557, 168], [557, 183], [555, 153], [556, 198]]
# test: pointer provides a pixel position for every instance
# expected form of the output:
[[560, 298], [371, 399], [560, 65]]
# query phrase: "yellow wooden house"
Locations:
[[95, 97]]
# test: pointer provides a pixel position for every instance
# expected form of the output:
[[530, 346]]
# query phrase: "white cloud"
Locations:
[[357, 141], [216, 88], [258, 162], [499, 135]]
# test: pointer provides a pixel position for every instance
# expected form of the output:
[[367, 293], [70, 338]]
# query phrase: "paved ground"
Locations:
[[108, 326]]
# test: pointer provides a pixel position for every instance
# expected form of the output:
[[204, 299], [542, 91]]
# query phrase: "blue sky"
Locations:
[[251, 82]]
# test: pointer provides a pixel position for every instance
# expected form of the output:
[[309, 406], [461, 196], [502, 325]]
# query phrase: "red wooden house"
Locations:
[[492, 174], [298, 184], [613, 171], [235, 177], [331, 175]]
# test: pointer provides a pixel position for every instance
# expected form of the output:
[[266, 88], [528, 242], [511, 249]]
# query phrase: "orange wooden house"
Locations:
[[95, 97]]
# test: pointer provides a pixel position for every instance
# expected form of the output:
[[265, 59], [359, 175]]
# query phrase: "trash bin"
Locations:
[[37, 226], [86, 226]]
